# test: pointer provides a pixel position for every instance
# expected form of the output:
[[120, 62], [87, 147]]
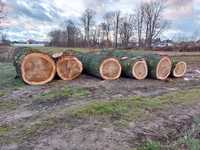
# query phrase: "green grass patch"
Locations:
[[2, 94], [54, 94], [189, 141], [134, 107], [151, 145], [7, 77], [39, 127], [7, 105], [52, 50], [19, 133], [4, 129]]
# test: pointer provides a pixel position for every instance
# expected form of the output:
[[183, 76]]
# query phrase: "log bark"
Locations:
[[68, 66], [159, 67], [34, 67], [179, 68], [135, 67], [103, 66]]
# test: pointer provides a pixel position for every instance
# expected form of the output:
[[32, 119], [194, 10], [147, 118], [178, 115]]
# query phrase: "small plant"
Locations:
[[190, 143], [151, 145], [2, 94], [54, 94]]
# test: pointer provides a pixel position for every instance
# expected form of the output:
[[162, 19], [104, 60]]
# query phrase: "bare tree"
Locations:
[[116, 20], [153, 21], [70, 33], [126, 29], [139, 20], [87, 20], [56, 38], [108, 23], [103, 27]]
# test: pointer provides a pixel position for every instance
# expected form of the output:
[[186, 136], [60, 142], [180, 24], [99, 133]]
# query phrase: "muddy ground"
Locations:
[[43, 118]]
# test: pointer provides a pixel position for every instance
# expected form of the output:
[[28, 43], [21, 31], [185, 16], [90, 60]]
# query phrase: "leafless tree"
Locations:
[[153, 21], [70, 33], [116, 20], [103, 27], [88, 20], [56, 38], [108, 23], [69, 36], [126, 29], [139, 20]]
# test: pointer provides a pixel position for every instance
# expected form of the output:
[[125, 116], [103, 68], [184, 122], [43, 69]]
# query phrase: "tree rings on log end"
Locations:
[[180, 69], [163, 68], [110, 69], [140, 70], [69, 67], [37, 68]]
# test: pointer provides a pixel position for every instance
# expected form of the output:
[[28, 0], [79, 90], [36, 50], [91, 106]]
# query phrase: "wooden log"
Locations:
[[107, 68], [135, 67], [68, 66], [33, 66], [179, 69], [159, 67]]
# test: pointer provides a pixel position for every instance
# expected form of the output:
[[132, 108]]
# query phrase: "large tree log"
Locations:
[[179, 69], [135, 67], [159, 67], [33, 66], [68, 66], [107, 68]]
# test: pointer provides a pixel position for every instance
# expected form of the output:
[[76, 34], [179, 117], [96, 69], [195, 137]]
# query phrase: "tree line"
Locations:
[[138, 29]]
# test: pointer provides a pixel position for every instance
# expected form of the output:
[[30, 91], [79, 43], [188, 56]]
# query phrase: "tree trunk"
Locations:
[[159, 67], [68, 66], [33, 66], [135, 67], [107, 68], [179, 69], [132, 66]]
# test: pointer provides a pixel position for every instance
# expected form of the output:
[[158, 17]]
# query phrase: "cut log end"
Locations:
[[110, 69], [37, 69], [163, 69], [69, 67], [180, 69], [140, 70]]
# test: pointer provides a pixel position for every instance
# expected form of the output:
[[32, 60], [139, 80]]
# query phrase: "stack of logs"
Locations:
[[37, 68]]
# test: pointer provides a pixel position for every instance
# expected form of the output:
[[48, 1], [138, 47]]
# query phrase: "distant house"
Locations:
[[159, 44], [198, 42]]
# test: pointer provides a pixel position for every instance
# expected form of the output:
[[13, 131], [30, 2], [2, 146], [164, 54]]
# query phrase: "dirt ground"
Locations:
[[40, 118]]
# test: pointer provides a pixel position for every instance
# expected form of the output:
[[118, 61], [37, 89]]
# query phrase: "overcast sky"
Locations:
[[33, 19]]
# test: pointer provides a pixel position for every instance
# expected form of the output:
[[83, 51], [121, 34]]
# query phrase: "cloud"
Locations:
[[35, 18], [37, 9], [178, 9]]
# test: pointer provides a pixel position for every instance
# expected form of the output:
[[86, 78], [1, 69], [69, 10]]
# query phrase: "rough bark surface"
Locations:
[[135, 67], [159, 67], [100, 65]]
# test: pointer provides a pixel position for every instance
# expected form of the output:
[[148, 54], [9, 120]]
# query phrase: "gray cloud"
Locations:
[[34, 9], [38, 17]]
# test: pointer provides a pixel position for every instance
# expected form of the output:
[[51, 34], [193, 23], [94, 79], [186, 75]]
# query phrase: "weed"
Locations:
[[54, 94], [151, 145]]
